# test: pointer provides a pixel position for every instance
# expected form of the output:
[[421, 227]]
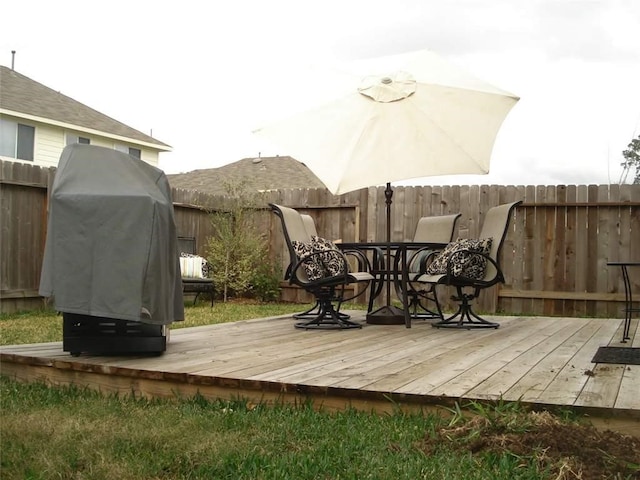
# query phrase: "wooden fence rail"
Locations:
[[555, 254]]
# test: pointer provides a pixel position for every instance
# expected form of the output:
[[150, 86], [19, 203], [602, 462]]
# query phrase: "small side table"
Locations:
[[628, 297]]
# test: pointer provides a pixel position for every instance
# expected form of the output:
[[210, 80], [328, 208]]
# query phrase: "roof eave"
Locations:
[[156, 146]]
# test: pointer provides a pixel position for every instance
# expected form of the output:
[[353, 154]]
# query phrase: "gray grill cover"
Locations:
[[111, 248]]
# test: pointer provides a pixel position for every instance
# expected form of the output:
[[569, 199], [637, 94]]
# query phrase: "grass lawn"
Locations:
[[75, 433], [46, 325]]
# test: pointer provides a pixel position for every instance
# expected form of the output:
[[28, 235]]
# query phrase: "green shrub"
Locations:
[[237, 252], [265, 283]]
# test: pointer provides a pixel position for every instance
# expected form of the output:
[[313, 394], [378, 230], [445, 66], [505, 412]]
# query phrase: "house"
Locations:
[[258, 174], [36, 123]]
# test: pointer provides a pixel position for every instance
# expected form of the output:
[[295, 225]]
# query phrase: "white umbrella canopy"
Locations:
[[398, 117], [395, 118]]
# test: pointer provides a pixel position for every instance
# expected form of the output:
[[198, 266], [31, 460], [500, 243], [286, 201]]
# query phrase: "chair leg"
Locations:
[[416, 303], [465, 317], [328, 318], [314, 311], [310, 313]]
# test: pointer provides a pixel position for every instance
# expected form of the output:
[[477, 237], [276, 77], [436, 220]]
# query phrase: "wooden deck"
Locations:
[[543, 362]]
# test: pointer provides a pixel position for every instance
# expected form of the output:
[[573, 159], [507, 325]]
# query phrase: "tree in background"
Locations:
[[632, 159], [237, 252]]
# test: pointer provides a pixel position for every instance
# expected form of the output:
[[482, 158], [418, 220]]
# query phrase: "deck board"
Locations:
[[531, 386], [567, 386], [602, 389], [505, 356], [448, 369], [629, 394], [538, 360], [531, 367]]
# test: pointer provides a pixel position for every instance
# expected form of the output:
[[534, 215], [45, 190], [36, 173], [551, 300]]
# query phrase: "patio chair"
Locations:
[[310, 227], [435, 229], [321, 269], [471, 265]]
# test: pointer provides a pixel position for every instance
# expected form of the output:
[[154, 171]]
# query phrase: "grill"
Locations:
[[110, 336], [111, 250]]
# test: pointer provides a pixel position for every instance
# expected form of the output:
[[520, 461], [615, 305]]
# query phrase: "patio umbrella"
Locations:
[[396, 118]]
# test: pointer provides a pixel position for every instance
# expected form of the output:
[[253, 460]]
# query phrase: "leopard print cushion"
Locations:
[[311, 263], [320, 258], [464, 262], [332, 258]]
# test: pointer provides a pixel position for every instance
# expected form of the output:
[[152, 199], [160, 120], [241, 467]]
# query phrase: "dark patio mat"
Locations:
[[622, 355]]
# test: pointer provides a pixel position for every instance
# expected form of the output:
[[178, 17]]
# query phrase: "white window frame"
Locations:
[[134, 152], [12, 140], [72, 138]]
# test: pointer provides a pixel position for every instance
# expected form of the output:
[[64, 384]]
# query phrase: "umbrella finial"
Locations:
[[388, 88]]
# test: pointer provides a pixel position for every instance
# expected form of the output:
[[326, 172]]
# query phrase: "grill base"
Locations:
[[109, 336]]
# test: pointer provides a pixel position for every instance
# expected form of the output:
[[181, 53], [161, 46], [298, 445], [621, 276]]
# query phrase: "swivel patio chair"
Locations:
[[321, 269], [434, 229], [471, 265], [310, 227]]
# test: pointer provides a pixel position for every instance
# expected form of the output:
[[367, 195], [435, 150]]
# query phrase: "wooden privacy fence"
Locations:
[[554, 258]]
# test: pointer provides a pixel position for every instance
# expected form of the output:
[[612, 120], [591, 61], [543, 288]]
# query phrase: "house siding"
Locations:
[[50, 141], [145, 155], [150, 157], [49, 145]]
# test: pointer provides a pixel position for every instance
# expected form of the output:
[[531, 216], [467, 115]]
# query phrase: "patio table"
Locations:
[[385, 272], [628, 296]]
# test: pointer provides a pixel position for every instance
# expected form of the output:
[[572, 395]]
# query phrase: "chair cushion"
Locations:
[[311, 264], [320, 258], [193, 266], [332, 259], [465, 263]]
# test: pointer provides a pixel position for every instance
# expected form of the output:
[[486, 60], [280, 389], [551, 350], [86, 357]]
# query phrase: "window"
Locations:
[[71, 139], [134, 152], [16, 140]]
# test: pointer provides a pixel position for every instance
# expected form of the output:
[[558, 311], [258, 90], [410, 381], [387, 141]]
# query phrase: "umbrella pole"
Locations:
[[388, 195], [388, 314]]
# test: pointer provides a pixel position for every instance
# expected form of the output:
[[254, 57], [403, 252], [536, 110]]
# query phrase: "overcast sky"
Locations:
[[200, 76]]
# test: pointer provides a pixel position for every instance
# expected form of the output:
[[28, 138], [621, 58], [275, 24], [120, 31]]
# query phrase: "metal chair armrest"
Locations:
[[475, 282]]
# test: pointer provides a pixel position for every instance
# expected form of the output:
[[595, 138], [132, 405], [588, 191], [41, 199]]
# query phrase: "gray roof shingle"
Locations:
[[265, 173], [22, 95]]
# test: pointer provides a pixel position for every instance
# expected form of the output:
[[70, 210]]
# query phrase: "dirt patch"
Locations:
[[569, 451]]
